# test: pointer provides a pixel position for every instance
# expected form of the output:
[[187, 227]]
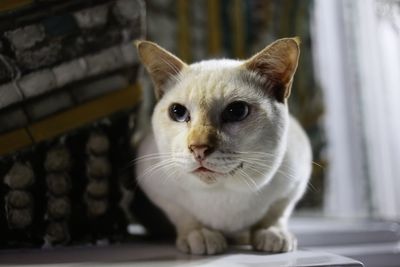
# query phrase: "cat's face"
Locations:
[[222, 121]]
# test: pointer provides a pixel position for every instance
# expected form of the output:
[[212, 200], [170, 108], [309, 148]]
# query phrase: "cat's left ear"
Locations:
[[276, 65], [160, 64]]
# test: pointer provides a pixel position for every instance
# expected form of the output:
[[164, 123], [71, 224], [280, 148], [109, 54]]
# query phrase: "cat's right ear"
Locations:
[[160, 64]]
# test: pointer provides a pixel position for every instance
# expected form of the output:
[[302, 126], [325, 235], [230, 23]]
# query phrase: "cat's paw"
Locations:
[[273, 239], [202, 242]]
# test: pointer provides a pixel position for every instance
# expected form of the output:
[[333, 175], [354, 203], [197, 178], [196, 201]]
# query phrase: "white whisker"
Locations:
[[157, 156], [284, 174], [158, 166], [168, 174], [246, 178]]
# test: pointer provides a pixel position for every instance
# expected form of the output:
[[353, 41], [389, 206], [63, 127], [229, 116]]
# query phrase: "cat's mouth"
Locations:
[[207, 175], [207, 171], [210, 176]]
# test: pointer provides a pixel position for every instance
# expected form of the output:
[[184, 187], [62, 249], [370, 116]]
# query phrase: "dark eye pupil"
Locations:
[[179, 113], [235, 111]]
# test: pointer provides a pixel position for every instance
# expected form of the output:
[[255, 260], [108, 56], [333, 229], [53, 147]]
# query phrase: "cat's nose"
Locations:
[[200, 152]]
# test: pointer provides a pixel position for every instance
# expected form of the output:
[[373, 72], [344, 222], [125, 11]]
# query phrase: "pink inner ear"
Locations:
[[276, 64]]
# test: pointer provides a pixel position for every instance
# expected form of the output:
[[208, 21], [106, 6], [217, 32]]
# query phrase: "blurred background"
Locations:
[[73, 97]]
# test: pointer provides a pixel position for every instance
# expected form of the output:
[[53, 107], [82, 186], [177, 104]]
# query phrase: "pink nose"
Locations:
[[200, 152]]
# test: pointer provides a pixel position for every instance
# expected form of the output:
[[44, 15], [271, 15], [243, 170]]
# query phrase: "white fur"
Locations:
[[226, 204]]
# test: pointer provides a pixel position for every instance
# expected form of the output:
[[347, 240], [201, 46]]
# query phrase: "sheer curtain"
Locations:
[[357, 54]]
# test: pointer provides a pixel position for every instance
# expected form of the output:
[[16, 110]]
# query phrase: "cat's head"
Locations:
[[222, 121]]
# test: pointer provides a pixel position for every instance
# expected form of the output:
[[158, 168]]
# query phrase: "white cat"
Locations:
[[225, 157]]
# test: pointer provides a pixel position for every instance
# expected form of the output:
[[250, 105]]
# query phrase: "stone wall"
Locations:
[[68, 102]]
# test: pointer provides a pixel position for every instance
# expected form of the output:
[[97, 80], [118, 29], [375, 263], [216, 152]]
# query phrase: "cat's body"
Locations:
[[225, 156], [221, 208]]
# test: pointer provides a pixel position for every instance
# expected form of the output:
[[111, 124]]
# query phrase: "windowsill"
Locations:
[[373, 242]]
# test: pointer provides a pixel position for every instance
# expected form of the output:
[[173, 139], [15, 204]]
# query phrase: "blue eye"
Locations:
[[235, 111], [179, 113]]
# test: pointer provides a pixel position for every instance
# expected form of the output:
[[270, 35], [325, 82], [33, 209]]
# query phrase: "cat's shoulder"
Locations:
[[298, 142]]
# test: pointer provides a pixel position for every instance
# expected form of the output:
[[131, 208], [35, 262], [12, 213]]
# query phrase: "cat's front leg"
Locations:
[[192, 236], [271, 234], [275, 239], [201, 241]]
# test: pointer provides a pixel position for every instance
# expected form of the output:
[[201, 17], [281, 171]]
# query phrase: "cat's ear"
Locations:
[[160, 64], [276, 65]]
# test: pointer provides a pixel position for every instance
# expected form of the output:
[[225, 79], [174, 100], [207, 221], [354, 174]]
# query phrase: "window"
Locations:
[[357, 46]]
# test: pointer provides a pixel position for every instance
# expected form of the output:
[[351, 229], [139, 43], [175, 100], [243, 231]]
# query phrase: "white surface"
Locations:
[[147, 255]]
